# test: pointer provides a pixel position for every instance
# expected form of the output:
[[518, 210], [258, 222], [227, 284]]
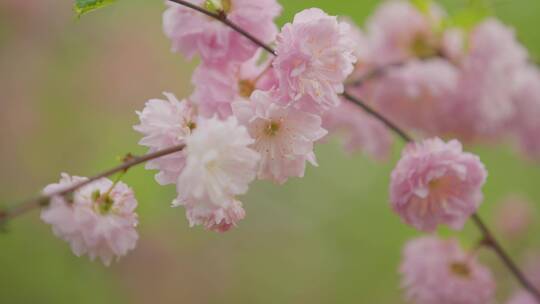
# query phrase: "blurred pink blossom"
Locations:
[[513, 216], [438, 271], [526, 123], [194, 33], [417, 95], [398, 31], [484, 102], [436, 183], [359, 130], [522, 297]]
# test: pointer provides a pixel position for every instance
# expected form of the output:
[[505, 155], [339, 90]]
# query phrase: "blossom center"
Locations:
[[102, 202], [191, 125], [460, 269], [440, 185], [422, 47], [272, 128], [245, 88]]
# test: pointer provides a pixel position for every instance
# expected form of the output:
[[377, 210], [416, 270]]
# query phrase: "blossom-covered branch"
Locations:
[[488, 236], [44, 200], [253, 117]]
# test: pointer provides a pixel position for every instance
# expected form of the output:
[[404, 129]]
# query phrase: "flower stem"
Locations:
[[490, 242], [43, 200]]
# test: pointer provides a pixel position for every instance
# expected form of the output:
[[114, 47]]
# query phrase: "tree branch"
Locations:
[[490, 242], [223, 18], [43, 200]]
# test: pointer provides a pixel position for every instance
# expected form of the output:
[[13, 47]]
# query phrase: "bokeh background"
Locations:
[[69, 90]]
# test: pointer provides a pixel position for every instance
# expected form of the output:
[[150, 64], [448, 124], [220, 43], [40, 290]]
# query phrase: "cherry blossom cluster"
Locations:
[[256, 113], [475, 84], [250, 116]]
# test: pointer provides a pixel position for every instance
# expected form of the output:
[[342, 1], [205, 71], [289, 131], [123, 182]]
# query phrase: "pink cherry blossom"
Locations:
[[514, 215], [166, 123], [417, 95], [399, 31], [315, 56], [522, 297], [438, 271], [525, 124], [436, 183], [99, 220], [484, 103], [453, 44], [194, 33], [218, 218], [359, 130], [284, 136], [359, 41], [219, 162], [217, 89]]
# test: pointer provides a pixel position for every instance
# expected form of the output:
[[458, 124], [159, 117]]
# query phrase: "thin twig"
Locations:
[[223, 18], [378, 116], [374, 73], [43, 200], [490, 242]]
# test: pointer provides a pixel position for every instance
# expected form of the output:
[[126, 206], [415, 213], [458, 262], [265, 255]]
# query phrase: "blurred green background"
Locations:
[[69, 91]]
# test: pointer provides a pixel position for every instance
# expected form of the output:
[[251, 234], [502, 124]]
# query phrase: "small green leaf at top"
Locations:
[[422, 5], [471, 14], [85, 6]]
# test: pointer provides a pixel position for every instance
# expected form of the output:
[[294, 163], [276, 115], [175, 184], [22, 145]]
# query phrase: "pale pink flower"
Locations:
[[526, 122], [98, 220], [514, 216], [284, 136], [217, 89], [192, 32], [436, 183], [399, 31], [484, 103], [218, 218], [417, 95], [315, 56], [453, 44], [358, 40], [522, 297], [166, 123], [219, 162], [359, 130], [438, 271]]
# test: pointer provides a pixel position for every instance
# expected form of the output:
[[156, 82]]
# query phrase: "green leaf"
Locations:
[[85, 6], [470, 15], [422, 5]]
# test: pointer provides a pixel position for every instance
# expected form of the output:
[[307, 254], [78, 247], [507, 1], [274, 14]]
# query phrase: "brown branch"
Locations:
[[490, 242], [389, 124], [374, 73], [223, 18], [43, 200]]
